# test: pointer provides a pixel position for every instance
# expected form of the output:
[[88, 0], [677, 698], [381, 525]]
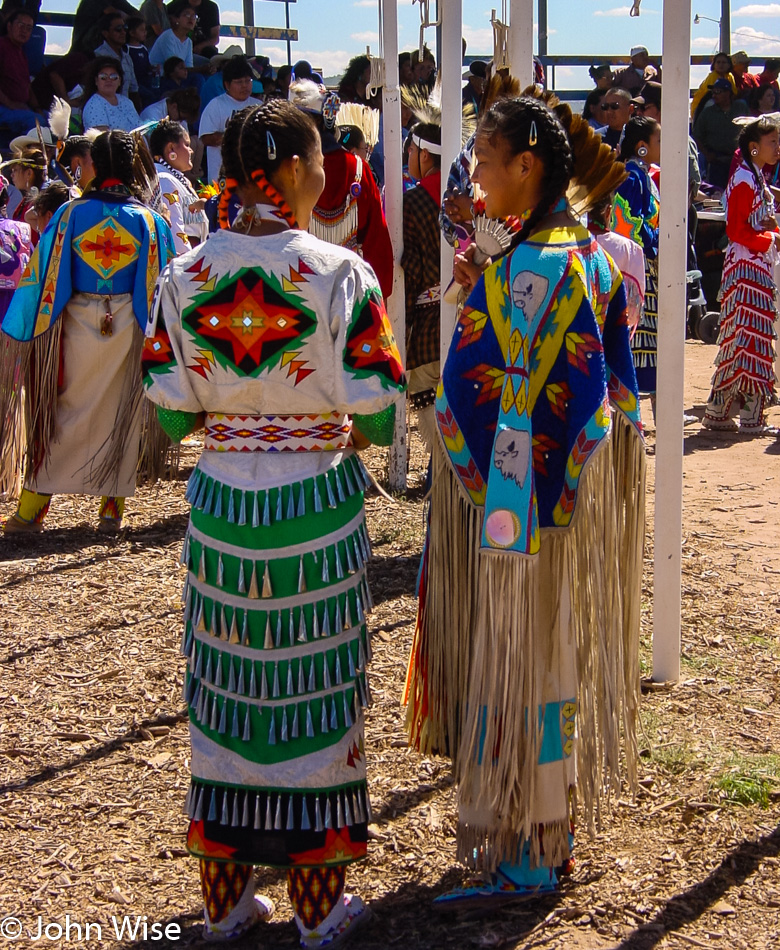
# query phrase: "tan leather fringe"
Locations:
[[29, 385], [159, 457], [630, 468], [519, 598], [14, 375], [440, 658]]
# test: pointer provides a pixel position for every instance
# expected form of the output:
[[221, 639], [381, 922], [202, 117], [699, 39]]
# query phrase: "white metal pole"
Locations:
[[451, 66], [521, 40], [672, 303], [391, 125]]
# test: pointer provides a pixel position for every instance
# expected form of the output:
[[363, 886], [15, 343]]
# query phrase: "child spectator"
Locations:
[[176, 41], [147, 76], [175, 75]]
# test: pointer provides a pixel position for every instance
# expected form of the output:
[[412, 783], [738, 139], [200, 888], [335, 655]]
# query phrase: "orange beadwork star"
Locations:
[[108, 247]]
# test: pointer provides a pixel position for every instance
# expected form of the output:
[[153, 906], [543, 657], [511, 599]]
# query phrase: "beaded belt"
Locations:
[[325, 433]]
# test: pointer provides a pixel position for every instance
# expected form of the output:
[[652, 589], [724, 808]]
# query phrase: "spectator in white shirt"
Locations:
[[175, 41], [237, 80], [105, 108]]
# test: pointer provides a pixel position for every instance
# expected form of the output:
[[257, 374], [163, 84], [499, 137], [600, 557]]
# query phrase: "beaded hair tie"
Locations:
[[258, 177], [224, 202]]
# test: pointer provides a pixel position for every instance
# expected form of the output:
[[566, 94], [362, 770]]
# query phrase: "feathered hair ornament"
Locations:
[[317, 99], [426, 109], [363, 117], [500, 86], [597, 171], [59, 123]]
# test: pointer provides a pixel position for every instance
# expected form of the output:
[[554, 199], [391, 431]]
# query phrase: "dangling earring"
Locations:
[[642, 151], [532, 136]]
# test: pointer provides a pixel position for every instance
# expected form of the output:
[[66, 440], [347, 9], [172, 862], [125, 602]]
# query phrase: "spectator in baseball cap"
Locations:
[[633, 77], [740, 61]]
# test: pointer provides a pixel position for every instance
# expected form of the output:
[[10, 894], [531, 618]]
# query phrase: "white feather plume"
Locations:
[[307, 95], [59, 119], [364, 117]]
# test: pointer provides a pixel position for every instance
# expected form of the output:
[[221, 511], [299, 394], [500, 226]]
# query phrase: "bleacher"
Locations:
[[248, 32]]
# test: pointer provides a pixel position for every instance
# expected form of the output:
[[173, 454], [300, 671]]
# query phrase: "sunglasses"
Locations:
[[606, 106], [119, 29], [108, 77]]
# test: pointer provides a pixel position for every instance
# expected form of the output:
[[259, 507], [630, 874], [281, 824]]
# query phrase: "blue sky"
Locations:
[[332, 31]]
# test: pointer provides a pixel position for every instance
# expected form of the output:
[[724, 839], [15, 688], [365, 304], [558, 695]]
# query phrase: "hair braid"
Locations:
[[527, 125], [257, 141], [113, 155], [223, 208]]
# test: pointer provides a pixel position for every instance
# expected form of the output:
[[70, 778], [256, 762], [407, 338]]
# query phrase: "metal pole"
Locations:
[[249, 20], [672, 303], [543, 30], [396, 310], [521, 40], [451, 65], [287, 21], [725, 26]]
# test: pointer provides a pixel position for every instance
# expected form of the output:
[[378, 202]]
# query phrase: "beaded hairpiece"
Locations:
[[258, 177], [224, 202]]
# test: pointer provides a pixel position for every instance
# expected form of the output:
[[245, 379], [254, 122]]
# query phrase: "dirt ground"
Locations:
[[93, 738]]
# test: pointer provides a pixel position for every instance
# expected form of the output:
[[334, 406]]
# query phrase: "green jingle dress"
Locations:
[[280, 340]]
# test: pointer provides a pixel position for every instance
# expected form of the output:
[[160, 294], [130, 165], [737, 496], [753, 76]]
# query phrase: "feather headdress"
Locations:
[[500, 86], [363, 117], [597, 171], [426, 109]]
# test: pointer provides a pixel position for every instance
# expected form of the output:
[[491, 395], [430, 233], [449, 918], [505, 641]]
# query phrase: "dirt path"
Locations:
[[93, 742]]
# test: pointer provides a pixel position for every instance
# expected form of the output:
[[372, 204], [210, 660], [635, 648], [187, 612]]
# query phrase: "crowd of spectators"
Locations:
[[126, 65]]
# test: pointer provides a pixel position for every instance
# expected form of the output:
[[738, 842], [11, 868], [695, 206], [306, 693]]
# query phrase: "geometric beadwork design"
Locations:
[[249, 323], [222, 884], [227, 433], [106, 247], [314, 892], [371, 347]]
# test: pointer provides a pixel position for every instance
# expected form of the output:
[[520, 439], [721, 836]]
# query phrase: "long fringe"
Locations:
[[158, 458], [574, 588], [440, 659], [629, 462], [14, 376], [29, 387]]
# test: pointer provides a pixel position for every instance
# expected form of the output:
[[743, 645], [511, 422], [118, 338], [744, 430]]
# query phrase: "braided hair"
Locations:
[[113, 155], [752, 134], [257, 141], [527, 125]]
